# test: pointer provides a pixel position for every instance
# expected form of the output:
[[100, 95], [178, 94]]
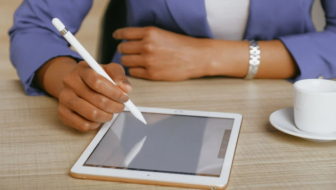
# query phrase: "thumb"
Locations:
[[117, 73]]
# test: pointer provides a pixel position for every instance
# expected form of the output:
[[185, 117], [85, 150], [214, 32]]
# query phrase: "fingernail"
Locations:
[[96, 126], [126, 82], [124, 97], [128, 85]]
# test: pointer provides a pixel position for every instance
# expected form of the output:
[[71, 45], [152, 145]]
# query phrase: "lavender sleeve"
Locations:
[[34, 40], [315, 53]]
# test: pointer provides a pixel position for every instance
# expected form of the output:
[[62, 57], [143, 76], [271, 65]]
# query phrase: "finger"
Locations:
[[72, 119], [89, 111], [133, 61], [100, 101], [139, 72], [75, 83], [117, 73], [70, 100], [130, 33], [130, 47], [103, 86]]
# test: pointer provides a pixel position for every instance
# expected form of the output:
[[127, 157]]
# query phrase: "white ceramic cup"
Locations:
[[315, 106]]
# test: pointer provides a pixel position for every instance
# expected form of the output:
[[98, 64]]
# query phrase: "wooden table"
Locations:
[[37, 150]]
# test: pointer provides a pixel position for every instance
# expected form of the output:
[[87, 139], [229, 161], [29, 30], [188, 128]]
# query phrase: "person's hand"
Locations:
[[88, 99], [156, 54]]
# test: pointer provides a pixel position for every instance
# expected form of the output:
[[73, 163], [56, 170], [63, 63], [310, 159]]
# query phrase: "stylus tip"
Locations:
[[142, 119], [135, 111], [138, 115]]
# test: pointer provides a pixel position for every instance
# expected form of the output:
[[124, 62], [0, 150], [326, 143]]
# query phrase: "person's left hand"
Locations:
[[156, 54]]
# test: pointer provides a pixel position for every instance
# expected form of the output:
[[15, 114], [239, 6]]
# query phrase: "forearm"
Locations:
[[49, 77], [231, 58]]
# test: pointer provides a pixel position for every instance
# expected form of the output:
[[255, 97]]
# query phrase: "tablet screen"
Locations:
[[188, 145]]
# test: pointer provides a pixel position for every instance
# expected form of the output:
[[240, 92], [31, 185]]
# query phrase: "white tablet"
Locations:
[[177, 148]]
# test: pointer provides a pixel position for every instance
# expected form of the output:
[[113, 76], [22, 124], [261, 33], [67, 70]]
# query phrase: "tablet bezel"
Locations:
[[81, 171]]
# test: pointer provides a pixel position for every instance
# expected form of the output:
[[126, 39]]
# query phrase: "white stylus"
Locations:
[[92, 62]]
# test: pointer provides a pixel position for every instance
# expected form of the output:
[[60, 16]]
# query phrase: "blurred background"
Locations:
[[89, 32]]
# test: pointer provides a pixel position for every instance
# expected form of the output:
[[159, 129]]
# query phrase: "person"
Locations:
[[169, 40]]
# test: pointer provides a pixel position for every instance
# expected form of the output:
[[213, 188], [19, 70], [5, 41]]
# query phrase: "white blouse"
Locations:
[[227, 18]]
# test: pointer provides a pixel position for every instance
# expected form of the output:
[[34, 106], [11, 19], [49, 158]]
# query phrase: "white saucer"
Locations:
[[283, 120]]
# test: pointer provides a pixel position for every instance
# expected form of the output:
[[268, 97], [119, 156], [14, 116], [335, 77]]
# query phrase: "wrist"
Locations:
[[198, 54], [49, 77], [228, 58], [210, 57]]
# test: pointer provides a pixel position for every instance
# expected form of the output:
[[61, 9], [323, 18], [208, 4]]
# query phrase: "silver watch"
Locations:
[[254, 59]]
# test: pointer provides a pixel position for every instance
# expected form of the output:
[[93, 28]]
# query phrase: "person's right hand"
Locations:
[[88, 99]]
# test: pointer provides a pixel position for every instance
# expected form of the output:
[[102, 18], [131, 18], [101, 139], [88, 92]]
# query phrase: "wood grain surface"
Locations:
[[37, 150]]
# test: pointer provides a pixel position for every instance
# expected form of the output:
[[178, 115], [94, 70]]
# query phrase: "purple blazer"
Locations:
[[34, 40]]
